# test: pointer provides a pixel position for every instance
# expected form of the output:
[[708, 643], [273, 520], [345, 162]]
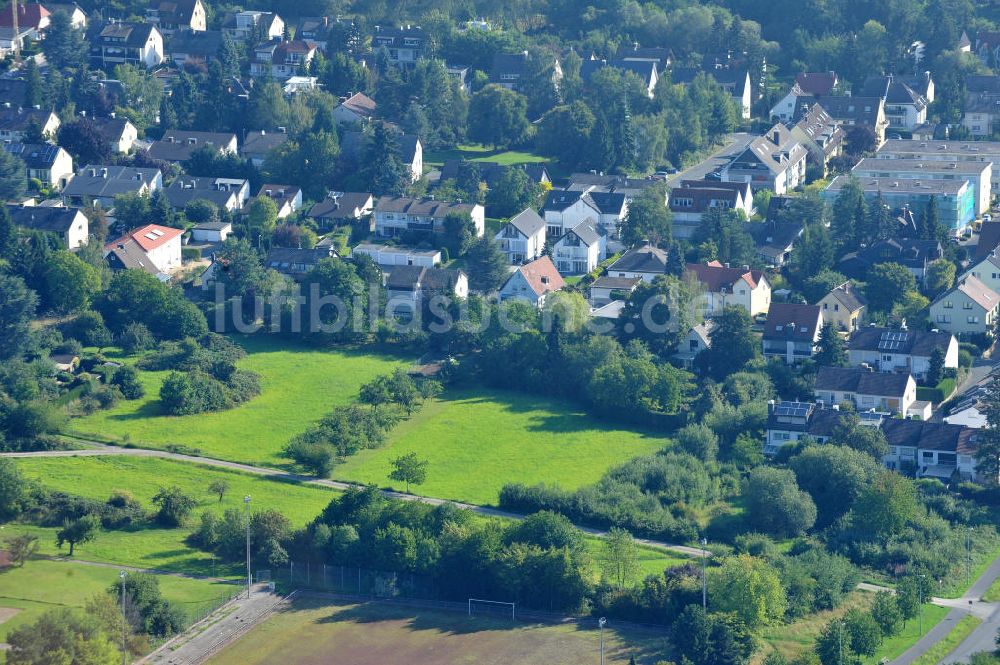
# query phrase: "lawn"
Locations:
[[318, 631], [651, 560], [152, 546], [894, 646], [299, 385], [478, 153], [957, 635], [42, 585], [476, 441]]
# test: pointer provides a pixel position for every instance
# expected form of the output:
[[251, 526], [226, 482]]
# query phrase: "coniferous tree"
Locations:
[[988, 452], [930, 225], [386, 173], [832, 351], [34, 87]]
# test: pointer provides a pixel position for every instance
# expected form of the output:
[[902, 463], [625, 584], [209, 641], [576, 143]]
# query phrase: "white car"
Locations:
[[987, 217]]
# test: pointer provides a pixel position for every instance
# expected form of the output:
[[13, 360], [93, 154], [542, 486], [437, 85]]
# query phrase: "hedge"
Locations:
[[937, 394]]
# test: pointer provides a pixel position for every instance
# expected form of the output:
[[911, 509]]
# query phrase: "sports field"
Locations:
[[314, 631], [299, 385], [476, 441]]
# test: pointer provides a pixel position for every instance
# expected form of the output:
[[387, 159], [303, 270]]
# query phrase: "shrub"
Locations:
[[126, 379], [136, 338]]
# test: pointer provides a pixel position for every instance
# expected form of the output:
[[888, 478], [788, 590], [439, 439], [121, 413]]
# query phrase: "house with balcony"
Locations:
[[969, 308], [790, 421], [844, 307], [342, 208], [120, 43], [532, 282], [282, 60], [580, 249], [405, 45], [646, 263], [724, 286], [866, 389], [689, 202], [932, 450], [389, 256], [522, 238], [775, 161], [173, 15], [906, 100], [906, 351], [792, 331], [396, 215], [99, 185], [246, 25], [565, 209], [227, 193], [822, 136], [178, 145]]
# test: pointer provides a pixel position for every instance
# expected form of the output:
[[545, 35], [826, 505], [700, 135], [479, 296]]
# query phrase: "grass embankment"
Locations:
[[476, 441], [478, 153], [299, 385], [315, 630]]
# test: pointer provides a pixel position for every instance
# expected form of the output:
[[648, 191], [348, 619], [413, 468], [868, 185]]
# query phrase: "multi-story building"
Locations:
[[947, 151], [396, 215], [724, 286], [117, 43], [969, 308], [776, 161], [978, 174], [522, 238], [792, 331], [404, 45]]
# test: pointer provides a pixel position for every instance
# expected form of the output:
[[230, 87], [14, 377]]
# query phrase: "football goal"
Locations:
[[478, 606]]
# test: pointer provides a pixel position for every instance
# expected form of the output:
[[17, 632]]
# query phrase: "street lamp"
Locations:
[[920, 606], [704, 581], [246, 504], [968, 557], [121, 576], [840, 642], [600, 623]]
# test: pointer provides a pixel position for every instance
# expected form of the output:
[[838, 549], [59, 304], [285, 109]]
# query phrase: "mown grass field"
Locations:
[[476, 441], [478, 153], [315, 631], [152, 546], [299, 385], [42, 585]]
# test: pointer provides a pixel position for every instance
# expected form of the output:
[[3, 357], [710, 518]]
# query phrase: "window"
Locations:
[[966, 305], [886, 358], [972, 319], [826, 306], [926, 455], [836, 308], [948, 304], [943, 318]]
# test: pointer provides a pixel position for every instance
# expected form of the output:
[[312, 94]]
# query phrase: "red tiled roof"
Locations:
[[536, 272], [715, 276], [29, 15], [148, 237]]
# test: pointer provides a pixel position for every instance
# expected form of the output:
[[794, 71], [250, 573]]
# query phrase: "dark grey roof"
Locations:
[[296, 261], [778, 235], [930, 436], [527, 222], [219, 191], [258, 144], [354, 145], [43, 218], [203, 43], [341, 207], [607, 202], [586, 231], [792, 321], [17, 119], [490, 171], [404, 278], [849, 296], [130, 256], [107, 181], [410, 278], [919, 343], [35, 155], [646, 259], [857, 109], [861, 381], [134, 35], [423, 207], [644, 69], [893, 91], [915, 254], [617, 283], [177, 146]]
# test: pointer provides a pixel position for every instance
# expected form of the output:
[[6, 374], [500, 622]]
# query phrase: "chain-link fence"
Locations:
[[360, 581]]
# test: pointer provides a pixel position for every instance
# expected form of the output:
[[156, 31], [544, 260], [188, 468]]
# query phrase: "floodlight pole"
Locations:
[[600, 623], [246, 504], [704, 581], [121, 576]]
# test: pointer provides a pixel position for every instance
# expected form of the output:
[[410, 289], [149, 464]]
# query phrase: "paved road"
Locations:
[[733, 146], [201, 641], [96, 449], [981, 639]]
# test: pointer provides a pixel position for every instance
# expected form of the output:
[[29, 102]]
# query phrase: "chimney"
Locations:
[[726, 264], [113, 115]]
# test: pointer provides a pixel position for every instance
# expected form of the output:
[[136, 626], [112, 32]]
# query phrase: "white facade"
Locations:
[[573, 256], [390, 255], [518, 247], [898, 404], [888, 361]]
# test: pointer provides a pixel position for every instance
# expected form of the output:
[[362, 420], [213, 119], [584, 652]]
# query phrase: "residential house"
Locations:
[[178, 145], [907, 351], [852, 111], [246, 25], [775, 240], [77, 17], [949, 151], [979, 175], [282, 59], [646, 263], [775, 161], [608, 183], [932, 450], [211, 232], [404, 45], [296, 262], [408, 287], [194, 49], [342, 208], [733, 80], [660, 55], [99, 185], [259, 144], [395, 215], [533, 282], [822, 136], [646, 70], [509, 68], [522, 237], [607, 289], [724, 286], [789, 421], [689, 202], [913, 254], [982, 101], [564, 210], [229, 193], [986, 270], [969, 308], [69, 224], [358, 107], [159, 245], [906, 101], [118, 43], [866, 389], [287, 198], [9, 40], [580, 249], [817, 84], [319, 30], [119, 133], [49, 164], [354, 150], [698, 339], [955, 199], [32, 17], [786, 107], [17, 122], [844, 307], [792, 331], [397, 255], [173, 15]]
